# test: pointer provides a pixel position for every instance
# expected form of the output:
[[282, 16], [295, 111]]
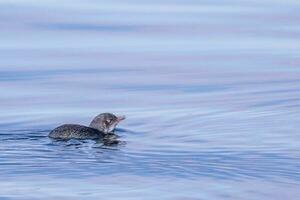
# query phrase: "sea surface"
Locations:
[[210, 89]]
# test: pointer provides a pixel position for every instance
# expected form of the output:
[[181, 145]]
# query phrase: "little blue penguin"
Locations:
[[101, 126]]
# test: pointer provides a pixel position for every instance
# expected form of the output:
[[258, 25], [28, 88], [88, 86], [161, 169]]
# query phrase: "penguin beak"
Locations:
[[121, 118], [112, 127]]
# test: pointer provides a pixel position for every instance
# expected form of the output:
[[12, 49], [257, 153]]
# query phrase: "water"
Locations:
[[211, 91]]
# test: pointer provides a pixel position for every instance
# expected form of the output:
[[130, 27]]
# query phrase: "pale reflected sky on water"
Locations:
[[211, 91]]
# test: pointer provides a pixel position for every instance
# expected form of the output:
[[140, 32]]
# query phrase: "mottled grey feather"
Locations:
[[75, 131]]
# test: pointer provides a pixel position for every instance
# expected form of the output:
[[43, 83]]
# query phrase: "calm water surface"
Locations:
[[211, 91]]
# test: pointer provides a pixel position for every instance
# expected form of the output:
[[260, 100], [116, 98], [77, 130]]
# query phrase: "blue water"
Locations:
[[211, 91]]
